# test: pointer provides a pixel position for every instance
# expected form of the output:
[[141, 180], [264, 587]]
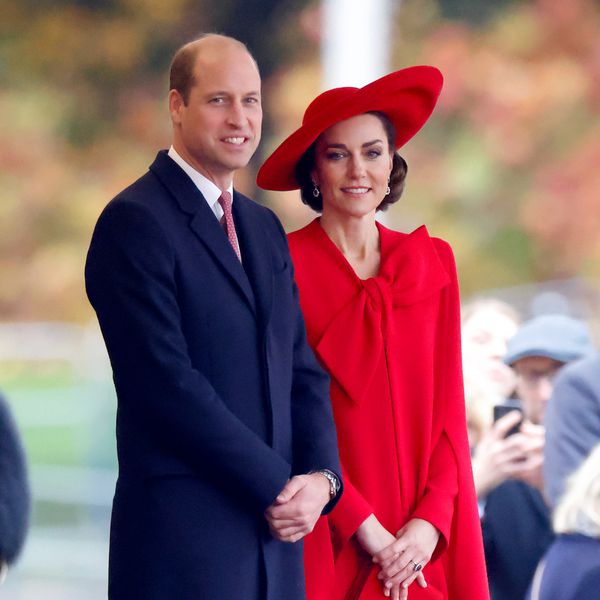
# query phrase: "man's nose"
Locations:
[[235, 115], [545, 389]]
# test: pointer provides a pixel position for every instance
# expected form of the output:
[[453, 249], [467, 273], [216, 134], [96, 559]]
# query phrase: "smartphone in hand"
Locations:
[[503, 409]]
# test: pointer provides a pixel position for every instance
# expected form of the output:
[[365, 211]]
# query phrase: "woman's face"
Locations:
[[353, 162]]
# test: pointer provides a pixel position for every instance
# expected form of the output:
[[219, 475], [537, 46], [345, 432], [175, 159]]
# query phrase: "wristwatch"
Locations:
[[334, 482]]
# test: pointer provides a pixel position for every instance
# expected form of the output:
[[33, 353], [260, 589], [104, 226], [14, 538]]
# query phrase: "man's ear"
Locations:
[[176, 104]]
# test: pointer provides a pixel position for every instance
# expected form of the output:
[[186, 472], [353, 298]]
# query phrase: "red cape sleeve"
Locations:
[[437, 504], [350, 512], [465, 545]]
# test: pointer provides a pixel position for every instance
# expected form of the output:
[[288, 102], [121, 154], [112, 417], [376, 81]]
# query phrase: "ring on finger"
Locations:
[[416, 567]]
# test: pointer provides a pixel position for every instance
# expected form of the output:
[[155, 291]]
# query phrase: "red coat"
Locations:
[[391, 344]]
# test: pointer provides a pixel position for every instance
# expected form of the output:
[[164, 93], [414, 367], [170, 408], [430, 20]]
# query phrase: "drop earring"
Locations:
[[316, 192], [388, 191]]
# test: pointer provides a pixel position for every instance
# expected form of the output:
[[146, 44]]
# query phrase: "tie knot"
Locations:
[[225, 201]]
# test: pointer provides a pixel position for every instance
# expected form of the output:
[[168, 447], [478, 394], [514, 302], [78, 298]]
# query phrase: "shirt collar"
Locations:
[[207, 188]]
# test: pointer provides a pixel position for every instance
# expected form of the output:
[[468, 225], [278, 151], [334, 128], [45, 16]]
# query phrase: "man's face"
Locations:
[[535, 377], [218, 130]]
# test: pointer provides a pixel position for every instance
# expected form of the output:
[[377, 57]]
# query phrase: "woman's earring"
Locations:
[[388, 191], [316, 192]]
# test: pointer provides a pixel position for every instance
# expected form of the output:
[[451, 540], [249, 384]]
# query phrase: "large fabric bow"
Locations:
[[354, 340]]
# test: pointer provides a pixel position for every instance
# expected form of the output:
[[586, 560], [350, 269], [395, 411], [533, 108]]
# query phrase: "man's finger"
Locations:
[[531, 429], [511, 455], [280, 524], [289, 532], [503, 425], [290, 489]]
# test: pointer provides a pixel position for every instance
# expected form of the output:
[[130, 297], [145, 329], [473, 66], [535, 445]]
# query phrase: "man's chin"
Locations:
[[238, 163]]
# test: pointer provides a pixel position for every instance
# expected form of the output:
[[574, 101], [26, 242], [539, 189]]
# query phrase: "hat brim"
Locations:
[[407, 97]]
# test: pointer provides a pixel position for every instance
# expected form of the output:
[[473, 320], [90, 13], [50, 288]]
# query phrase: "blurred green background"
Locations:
[[507, 170]]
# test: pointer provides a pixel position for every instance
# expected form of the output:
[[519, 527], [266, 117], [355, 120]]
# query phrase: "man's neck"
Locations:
[[223, 182]]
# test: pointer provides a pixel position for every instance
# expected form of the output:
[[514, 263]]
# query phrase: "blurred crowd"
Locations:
[[533, 412], [14, 491], [532, 389]]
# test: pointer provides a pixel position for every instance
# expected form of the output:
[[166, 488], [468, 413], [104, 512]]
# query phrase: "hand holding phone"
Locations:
[[500, 410]]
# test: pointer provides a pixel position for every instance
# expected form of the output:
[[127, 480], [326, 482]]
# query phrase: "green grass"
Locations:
[[62, 419]]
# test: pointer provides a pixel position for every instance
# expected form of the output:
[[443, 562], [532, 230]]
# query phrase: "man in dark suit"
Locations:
[[225, 437]]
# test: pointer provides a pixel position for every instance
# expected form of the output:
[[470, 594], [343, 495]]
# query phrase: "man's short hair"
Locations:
[[181, 76]]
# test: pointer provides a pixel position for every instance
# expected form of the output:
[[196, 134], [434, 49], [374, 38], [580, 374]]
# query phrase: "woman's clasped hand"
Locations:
[[401, 558]]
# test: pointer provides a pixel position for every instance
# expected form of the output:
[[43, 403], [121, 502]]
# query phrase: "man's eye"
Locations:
[[252, 100], [217, 100]]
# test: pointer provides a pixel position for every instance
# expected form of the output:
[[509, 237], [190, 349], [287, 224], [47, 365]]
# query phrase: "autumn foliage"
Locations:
[[508, 169]]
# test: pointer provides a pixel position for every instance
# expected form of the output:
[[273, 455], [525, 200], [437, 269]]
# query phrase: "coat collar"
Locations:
[[205, 226]]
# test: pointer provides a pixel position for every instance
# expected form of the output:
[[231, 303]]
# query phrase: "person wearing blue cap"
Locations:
[[537, 352], [516, 520]]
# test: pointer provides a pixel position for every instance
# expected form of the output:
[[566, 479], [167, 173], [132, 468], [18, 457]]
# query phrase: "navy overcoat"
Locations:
[[220, 399]]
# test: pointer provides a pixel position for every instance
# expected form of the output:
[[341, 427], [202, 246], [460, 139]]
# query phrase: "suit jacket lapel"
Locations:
[[202, 221], [256, 254]]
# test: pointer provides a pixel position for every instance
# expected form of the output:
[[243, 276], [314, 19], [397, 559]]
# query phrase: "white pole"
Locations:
[[356, 45], [357, 41]]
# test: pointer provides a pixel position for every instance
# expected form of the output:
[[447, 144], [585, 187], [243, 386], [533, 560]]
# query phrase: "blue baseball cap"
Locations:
[[558, 337]]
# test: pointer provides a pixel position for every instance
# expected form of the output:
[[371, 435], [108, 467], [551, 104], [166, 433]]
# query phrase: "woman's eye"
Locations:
[[374, 153], [334, 155]]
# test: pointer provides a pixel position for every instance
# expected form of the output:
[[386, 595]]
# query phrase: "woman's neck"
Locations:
[[357, 239]]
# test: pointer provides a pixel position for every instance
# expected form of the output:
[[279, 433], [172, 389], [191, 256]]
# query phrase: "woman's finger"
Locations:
[[389, 552], [393, 567], [406, 576], [410, 580]]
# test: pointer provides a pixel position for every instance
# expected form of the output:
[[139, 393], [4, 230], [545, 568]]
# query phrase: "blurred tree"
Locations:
[[85, 83], [506, 170], [473, 11]]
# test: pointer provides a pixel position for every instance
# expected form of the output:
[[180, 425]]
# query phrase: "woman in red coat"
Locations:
[[382, 314]]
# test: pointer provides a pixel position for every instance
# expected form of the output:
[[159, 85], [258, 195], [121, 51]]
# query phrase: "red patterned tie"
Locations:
[[227, 221]]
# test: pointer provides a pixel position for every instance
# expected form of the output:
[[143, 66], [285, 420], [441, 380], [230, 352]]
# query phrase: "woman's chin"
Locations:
[[354, 210]]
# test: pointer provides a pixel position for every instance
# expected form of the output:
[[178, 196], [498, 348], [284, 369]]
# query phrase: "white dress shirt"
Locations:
[[207, 188]]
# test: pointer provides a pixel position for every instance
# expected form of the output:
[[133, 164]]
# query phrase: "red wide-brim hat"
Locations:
[[407, 97]]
